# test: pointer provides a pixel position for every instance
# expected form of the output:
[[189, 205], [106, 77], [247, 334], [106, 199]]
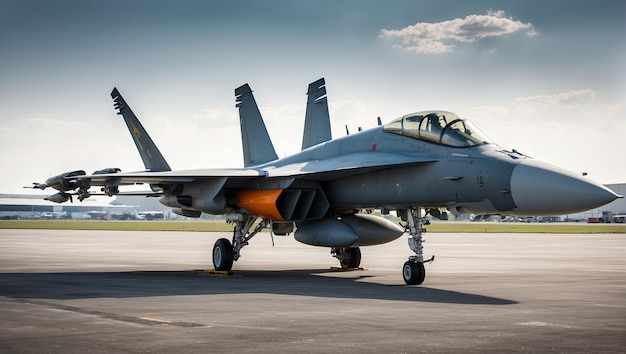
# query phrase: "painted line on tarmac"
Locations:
[[111, 316]]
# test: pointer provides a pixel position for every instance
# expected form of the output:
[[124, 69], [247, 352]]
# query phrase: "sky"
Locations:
[[544, 77]]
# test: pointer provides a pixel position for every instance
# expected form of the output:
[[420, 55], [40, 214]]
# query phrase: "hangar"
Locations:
[[29, 206]]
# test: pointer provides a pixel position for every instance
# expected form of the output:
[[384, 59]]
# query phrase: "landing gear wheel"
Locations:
[[352, 258], [223, 255], [413, 273]]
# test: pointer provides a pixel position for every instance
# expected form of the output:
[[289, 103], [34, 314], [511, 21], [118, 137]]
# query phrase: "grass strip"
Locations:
[[220, 226]]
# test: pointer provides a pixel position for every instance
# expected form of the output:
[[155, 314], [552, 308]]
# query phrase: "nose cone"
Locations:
[[542, 189]]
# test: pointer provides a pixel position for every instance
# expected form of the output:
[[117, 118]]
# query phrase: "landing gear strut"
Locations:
[[413, 270], [349, 257], [225, 252]]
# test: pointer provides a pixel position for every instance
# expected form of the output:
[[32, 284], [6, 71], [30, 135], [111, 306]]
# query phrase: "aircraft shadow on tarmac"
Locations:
[[81, 285]]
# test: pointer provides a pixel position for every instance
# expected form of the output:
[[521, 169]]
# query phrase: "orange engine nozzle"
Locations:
[[261, 203]]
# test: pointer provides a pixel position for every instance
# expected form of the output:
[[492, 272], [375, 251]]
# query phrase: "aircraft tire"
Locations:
[[354, 260], [223, 255], [413, 273]]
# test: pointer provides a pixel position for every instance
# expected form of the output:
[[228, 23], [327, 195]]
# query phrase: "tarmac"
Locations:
[[144, 292]]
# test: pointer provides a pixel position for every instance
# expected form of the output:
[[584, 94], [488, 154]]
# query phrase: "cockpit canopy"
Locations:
[[440, 127]]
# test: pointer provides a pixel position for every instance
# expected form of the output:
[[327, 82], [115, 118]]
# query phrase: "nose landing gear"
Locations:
[[413, 271]]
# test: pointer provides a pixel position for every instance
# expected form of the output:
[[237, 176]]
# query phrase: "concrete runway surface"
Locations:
[[137, 292]]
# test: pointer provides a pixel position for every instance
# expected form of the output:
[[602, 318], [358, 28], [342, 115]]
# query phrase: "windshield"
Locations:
[[438, 127]]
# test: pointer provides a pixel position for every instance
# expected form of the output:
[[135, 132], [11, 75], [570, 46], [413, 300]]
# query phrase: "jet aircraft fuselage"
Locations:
[[398, 169]]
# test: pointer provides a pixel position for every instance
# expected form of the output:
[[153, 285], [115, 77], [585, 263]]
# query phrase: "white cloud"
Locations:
[[570, 98], [46, 123], [615, 112], [346, 111], [436, 38], [570, 107], [286, 112], [213, 118], [569, 129]]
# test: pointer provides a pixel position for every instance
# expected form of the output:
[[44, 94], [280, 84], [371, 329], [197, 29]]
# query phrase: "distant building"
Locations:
[[28, 206], [616, 207]]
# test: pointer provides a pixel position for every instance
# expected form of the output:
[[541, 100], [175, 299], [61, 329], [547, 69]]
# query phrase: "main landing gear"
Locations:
[[225, 252], [413, 270], [349, 257]]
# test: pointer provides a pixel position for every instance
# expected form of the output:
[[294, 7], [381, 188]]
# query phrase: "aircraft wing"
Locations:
[[321, 169], [166, 177]]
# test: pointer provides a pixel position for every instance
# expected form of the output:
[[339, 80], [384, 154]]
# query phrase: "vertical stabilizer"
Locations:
[[256, 142], [150, 154], [317, 119]]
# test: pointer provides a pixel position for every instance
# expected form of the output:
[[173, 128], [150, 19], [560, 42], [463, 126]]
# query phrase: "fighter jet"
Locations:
[[418, 164]]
